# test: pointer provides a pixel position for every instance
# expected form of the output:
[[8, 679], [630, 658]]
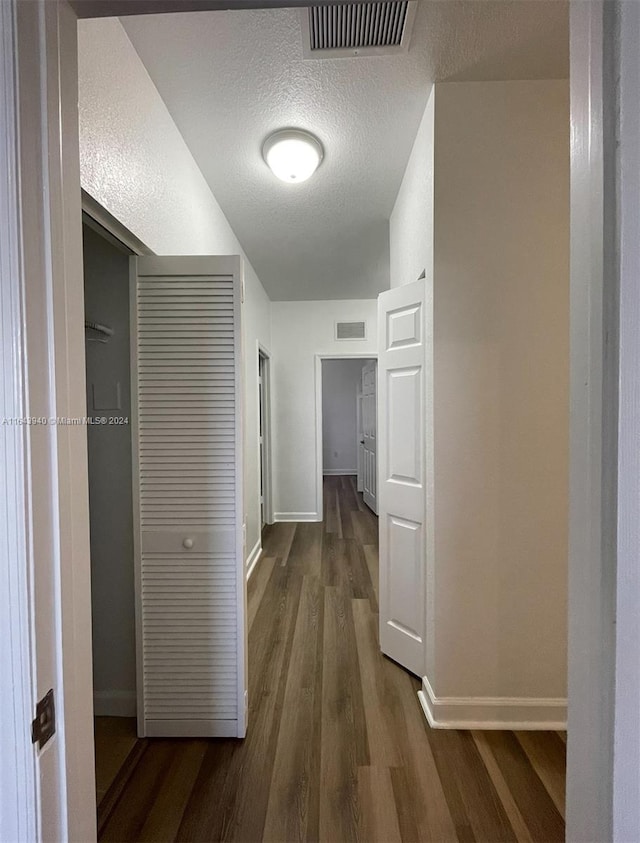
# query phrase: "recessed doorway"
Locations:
[[346, 422]]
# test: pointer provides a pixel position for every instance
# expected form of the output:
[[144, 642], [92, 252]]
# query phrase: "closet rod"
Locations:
[[101, 329]]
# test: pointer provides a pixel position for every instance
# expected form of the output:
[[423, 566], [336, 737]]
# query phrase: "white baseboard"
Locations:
[[114, 703], [330, 472], [296, 516], [252, 558], [507, 713], [191, 729]]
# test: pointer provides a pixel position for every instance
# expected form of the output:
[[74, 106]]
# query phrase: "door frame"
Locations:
[[45, 53], [39, 165], [266, 467], [365, 492], [360, 461], [19, 802], [110, 228], [112, 231], [603, 750], [373, 355]]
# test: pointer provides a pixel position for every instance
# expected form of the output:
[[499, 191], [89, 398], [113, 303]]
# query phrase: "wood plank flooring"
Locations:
[[338, 748], [115, 737]]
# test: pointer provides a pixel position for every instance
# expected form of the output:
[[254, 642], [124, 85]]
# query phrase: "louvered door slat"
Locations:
[[186, 358]]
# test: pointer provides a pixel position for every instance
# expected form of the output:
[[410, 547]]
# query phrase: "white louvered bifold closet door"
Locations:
[[187, 445]]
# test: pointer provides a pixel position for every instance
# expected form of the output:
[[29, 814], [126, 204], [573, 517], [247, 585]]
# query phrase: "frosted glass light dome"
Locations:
[[292, 155]]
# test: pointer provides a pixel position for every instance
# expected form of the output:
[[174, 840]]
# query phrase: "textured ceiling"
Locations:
[[231, 78]]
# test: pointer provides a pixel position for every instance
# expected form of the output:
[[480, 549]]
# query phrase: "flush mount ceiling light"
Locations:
[[292, 155]]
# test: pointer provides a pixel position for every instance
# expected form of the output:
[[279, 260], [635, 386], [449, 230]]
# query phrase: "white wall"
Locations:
[[301, 330], [340, 382], [501, 394], [485, 198], [106, 272], [135, 163], [411, 223]]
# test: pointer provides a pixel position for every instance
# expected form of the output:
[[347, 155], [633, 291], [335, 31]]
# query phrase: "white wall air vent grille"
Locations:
[[357, 29], [351, 330]]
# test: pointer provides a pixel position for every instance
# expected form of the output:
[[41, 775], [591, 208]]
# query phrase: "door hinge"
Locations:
[[44, 726]]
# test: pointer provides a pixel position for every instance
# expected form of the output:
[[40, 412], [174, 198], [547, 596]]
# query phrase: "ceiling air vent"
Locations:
[[357, 29], [351, 330]]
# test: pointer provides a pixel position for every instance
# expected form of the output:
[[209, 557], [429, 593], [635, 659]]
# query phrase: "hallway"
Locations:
[[338, 748]]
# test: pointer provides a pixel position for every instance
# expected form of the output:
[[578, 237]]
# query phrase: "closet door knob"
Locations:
[[187, 543]]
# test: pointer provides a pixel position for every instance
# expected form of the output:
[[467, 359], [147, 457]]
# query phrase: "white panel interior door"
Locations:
[[360, 442], [401, 464], [187, 442], [369, 436]]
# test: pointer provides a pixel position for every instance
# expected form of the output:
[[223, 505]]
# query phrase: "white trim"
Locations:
[[253, 557], [338, 472], [135, 494], [359, 441], [512, 713], [45, 378], [267, 449], [280, 517], [242, 649], [106, 225], [592, 431], [114, 703], [626, 754], [318, 358], [57, 475], [19, 803]]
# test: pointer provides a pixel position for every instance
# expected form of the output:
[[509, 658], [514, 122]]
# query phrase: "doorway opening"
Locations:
[[107, 335], [346, 423], [320, 474], [107, 248]]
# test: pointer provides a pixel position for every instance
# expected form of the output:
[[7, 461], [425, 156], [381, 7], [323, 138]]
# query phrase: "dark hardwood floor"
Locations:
[[338, 748]]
